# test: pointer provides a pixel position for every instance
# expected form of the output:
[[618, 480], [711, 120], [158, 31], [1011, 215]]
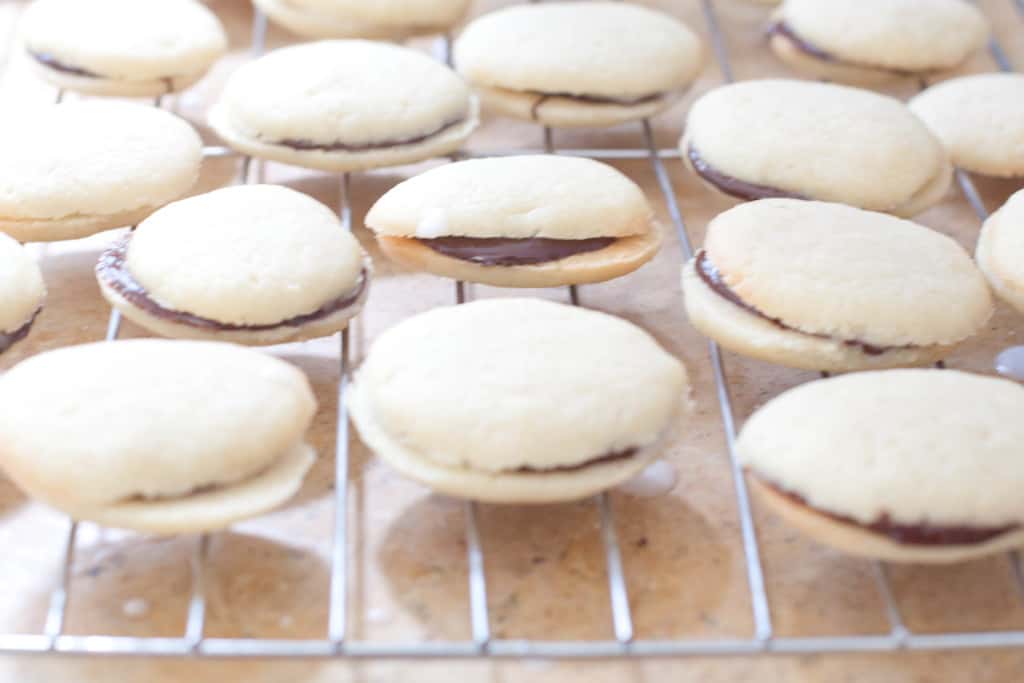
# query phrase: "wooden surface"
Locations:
[[545, 566]]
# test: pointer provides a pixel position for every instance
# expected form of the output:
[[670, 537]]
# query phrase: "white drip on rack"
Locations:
[[482, 643]]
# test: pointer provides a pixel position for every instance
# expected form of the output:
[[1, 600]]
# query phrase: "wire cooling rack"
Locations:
[[336, 641]]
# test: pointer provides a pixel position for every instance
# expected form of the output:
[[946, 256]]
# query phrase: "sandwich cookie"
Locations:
[[783, 138], [1000, 251], [122, 47], [578, 64], [251, 264], [345, 105], [518, 400], [527, 221], [868, 42], [74, 169], [394, 19], [22, 291], [156, 435], [897, 465], [980, 120], [829, 287]]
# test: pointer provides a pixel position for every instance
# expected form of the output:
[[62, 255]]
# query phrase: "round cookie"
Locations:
[[1000, 251], [784, 138], [518, 400], [394, 19], [156, 435], [122, 47], [829, 287], [897, 465], [74, 169], [345, 105], [578, 64], [22, 292], [867, 42], [251, 264], [980, 120], [522, 221]]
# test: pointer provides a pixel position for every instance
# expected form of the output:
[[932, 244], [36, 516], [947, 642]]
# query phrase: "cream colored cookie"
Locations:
[[345, 105], [252, 264], [521, 221], [578, 64], [122, 47], [22, 291], [360, 19], [771, 138], [518, 400], [867, 42], [156, 435], [898, 465], [1000, 251], [980, 120], [829, 287], [71, 170]]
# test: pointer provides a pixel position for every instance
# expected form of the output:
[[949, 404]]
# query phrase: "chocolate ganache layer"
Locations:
[[304, 145], [907, 534], [113, 270], [712, 277], [734, 187], [52, 62], [9, 339], [786, 31], [502, 251], [600, 460]]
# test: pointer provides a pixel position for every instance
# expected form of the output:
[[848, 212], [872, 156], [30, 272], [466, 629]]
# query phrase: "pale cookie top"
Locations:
[[1004, 251], [389, 12], [608, 49], [126, 39], [819, 140], [518, 197], [351, 92], [915, 35], [940, 447], [501, 384], [245, 255], [100, 423], [848, 273], [980, 120], [21, 285], [93, 158]]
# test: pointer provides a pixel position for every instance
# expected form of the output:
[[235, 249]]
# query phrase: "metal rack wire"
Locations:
[[337, 642]]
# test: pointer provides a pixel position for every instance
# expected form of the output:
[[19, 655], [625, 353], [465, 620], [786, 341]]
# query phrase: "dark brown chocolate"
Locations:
[[734, 187], [500, 251], [907, 534], [543, 97], [9, 339], [115, 274], [311, 145], [712, 277], [611, 457], [781, 28], [52, 62]]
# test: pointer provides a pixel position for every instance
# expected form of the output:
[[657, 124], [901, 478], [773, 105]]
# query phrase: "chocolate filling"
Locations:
[[734, 187], [783, 29], [712, 277], [907, 534], [114, 272], [52, 62], [9, 339], [500, 251], [611, 457], [543, 97], [306, 145]]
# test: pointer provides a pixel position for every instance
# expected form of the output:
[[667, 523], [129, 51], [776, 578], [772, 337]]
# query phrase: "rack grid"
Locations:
[[337, 643]]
